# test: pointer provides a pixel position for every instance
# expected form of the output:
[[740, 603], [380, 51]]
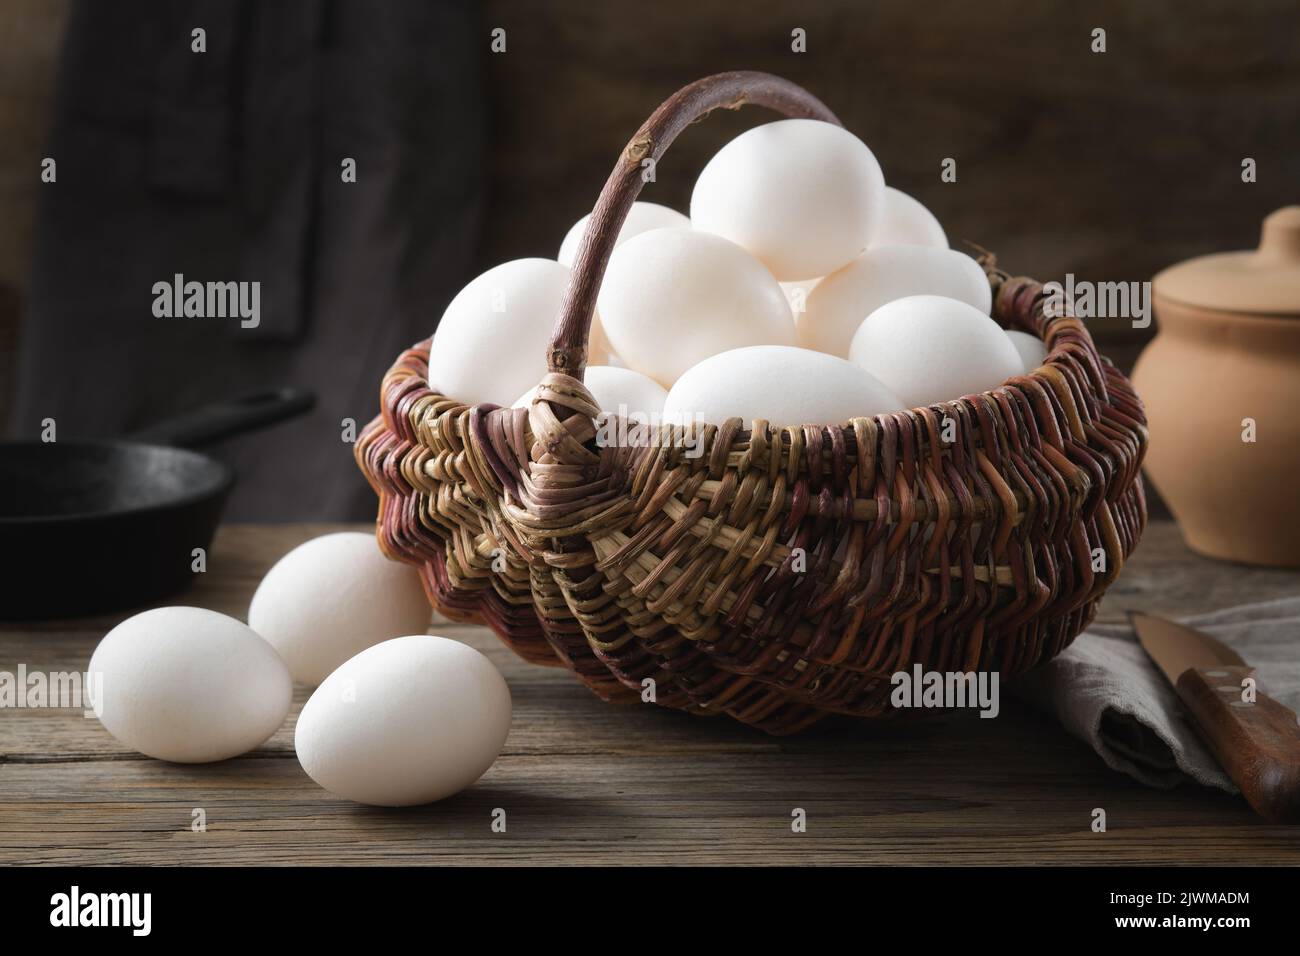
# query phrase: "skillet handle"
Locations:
[[235, 416]]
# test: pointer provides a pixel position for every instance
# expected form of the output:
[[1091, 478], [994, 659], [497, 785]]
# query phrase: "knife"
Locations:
[[1256, 741]]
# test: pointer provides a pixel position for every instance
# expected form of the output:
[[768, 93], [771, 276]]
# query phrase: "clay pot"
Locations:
[[1221, 385]]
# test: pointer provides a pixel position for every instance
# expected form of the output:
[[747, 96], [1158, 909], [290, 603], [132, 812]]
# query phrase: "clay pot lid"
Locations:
[[1264, 280]]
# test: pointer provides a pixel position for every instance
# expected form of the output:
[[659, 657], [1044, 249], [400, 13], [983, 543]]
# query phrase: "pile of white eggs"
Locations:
[[801, 290], [398, 716]]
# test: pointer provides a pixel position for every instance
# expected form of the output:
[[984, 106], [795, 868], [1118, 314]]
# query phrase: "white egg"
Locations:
[[618, 391], [492, 341], [929, 349], [780, 384], [408, 721], [1033, 352], [188, 685], [796, 293], [672, 297], [907, 223], [332, 597], [642, 217], [839, 303], [598, 351], [803, 196]]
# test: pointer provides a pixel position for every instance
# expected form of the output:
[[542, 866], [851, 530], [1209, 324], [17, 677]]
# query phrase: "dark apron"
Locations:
[[225, 166]]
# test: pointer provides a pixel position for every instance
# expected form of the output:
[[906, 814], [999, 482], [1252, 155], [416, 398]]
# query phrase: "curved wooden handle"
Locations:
[[568, 348], [1256, 743]]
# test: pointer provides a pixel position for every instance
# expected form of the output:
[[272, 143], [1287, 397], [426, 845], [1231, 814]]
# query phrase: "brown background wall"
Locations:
[[1107, 165]]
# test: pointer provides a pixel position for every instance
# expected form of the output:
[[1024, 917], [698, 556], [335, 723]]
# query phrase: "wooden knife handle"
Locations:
[[1257, 743]]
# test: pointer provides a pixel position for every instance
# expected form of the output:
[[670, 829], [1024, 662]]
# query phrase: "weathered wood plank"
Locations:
[[904, 808], [586, 782]]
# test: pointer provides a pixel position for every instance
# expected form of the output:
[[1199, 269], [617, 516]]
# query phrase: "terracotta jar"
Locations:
[[1221, 385]]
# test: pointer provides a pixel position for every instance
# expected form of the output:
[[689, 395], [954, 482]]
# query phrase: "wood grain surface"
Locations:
[[1256, 741], [585, 782]]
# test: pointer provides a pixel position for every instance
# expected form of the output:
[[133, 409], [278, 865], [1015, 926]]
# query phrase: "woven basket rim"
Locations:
[[621, 562]]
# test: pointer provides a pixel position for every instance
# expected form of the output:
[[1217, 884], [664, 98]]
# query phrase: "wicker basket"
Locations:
[[644, 562]]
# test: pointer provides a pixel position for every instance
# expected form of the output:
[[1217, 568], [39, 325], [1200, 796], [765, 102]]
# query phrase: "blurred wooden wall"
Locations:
[[1108, 165]]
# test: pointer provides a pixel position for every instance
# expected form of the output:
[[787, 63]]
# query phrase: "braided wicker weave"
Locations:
[[646, 560]]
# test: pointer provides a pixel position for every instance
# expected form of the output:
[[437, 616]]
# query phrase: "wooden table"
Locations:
[[586, 782]]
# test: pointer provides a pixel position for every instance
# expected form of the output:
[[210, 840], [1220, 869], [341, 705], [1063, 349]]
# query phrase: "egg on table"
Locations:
[[839, 303], [1033, 352], [188, 685], [779, 384], [672, 297], [906, 222], [619, 391], [492, 340], [803, 196], [409, 721], [332, 597], [929, 349]]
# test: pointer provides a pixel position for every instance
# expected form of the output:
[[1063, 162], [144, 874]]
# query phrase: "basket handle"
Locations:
[[568, 348]]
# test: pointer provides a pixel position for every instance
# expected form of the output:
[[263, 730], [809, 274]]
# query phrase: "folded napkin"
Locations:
[[1108, 693]]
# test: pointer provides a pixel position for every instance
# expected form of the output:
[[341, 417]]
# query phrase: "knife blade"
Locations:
[[1176, 647], [1255, 739]]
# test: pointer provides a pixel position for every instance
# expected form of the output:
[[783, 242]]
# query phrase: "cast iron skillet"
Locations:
[[89, 525]]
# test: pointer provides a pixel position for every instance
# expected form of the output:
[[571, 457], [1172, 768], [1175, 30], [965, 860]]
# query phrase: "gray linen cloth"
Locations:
[[1108, 693]]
